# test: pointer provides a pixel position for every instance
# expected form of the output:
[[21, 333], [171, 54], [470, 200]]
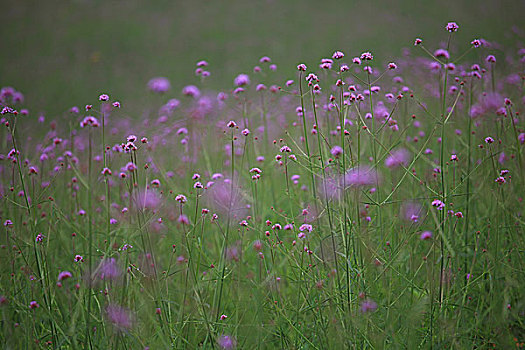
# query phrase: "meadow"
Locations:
[[354, 202]]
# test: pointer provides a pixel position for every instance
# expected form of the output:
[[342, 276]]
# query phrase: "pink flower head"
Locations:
[[336, 151], [103, 98], [442, 53], [476, 43], [226, 342], [131, 167], [417, 42], [438, 204], [242, 80], [398, 158], [89, 121], [159, 85], [119, 317], [367, 56], [108, 269], [452, 27], [368, 306], [183, 219], [64, 275], [191, 91], [426, 235], [392, 66], [227, 199], [411, 211], [306, 227], [501, 180], [338, 55], [301, 67], [257, 246]]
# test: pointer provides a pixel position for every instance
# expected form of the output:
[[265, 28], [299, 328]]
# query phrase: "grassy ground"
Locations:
[[374, 206]]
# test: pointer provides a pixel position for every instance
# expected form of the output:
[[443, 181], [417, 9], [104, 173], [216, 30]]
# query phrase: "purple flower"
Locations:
[[108, 269], [131, 167], [476, 43], [159, 85], [367, 56], [147, 200], [452, 27], [242, 80], [336, 151], [398, 158], [192, 91], [338, 55], [501, 180], [491, 59], [227, 199], [368, 306], [438, 204], [64, 275], [442, 53], [181, 198], [361, 176], [119, 317], [411, 211], [306, 227], [226, 342], [426, 235]]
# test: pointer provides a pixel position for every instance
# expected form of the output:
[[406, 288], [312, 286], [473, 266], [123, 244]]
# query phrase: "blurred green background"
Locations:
[[64, 53]]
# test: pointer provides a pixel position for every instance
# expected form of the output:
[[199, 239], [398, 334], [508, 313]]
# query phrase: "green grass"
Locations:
[[362, 278]]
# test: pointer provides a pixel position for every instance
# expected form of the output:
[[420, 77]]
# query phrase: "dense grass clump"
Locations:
[[358, 204]]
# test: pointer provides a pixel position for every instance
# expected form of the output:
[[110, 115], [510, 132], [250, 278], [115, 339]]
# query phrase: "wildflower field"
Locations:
[[355, 203]]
